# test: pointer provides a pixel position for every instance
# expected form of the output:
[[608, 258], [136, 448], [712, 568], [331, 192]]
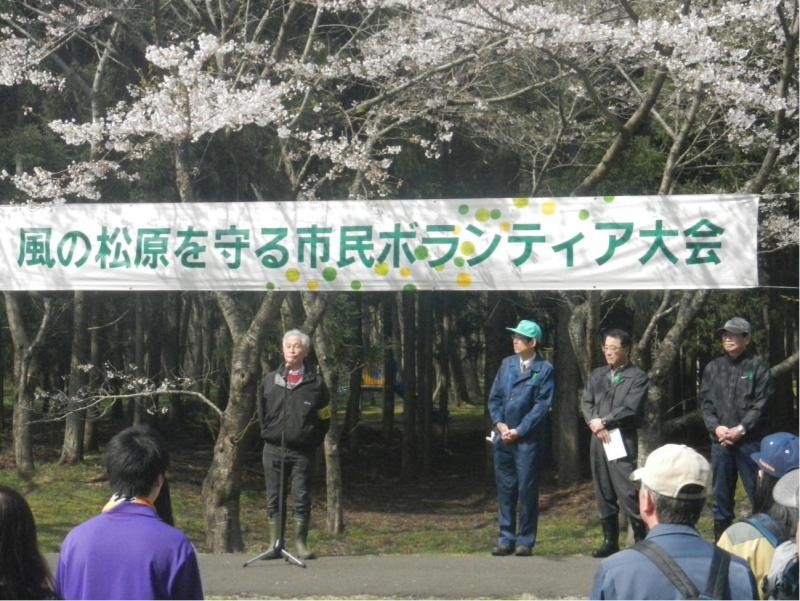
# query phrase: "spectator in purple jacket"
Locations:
[[128, 552]]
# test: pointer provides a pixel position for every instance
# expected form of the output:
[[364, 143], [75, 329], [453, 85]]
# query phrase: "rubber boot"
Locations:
[[720, 526], [274, 552], [301, 538], [610, 537], [639, 529]]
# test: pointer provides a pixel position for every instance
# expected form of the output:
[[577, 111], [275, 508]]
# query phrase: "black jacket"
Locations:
[[620, 403], [736, 391], [307, 415]]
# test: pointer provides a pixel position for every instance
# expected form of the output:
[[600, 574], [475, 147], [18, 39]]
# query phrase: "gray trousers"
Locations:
[[613, 489]]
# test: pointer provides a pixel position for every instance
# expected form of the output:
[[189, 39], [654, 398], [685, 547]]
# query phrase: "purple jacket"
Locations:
[[127, 553]]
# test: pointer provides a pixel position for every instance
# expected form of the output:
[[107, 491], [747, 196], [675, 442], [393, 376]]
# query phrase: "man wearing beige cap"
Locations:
[[734, 394], [673, 562]]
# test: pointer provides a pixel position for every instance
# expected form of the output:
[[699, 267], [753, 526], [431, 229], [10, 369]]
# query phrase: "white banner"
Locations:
[[623, 242]]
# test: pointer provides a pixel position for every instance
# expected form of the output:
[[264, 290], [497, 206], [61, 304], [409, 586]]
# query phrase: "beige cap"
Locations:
[[671, 467]]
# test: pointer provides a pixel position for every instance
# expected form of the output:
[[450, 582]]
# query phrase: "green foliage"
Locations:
[[638, 170]]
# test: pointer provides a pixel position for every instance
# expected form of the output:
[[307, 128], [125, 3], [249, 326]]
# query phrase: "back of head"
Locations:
[[135, 458], [24, 574], [685, 511]]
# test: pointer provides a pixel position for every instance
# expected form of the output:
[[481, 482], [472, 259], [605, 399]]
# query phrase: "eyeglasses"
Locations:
[[612, 349], [731, 335]]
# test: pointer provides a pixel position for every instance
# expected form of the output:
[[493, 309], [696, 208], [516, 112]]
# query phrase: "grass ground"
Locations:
[[452, 511]]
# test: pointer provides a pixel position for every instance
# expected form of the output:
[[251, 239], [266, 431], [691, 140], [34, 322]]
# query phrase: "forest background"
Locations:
[[189, 100]]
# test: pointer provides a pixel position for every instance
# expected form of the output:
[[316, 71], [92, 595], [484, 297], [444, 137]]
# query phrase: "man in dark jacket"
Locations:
[[735, 390], [613, 403], [293, 410]]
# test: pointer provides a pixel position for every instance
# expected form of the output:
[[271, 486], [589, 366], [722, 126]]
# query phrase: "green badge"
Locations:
[[749, 375], [534, 376], [617, 378]]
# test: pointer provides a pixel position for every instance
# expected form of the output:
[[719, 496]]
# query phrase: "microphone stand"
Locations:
[[277, 549]]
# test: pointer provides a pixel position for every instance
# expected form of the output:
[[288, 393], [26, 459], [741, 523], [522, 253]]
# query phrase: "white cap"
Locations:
[[671, 467]]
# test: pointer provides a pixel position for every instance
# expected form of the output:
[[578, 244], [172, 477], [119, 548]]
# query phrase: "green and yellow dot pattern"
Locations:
[[489, 219]]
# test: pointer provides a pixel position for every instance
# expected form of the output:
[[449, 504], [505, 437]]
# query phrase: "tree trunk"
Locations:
[[495, 348], [497, 341], [135, 404], [650, 437], [424, 347], [157, 331], [95, 358], [457, 371], [388, 309], [584, 329], [568, 423], [408, 314], [72, 449], [170, 343], [352, 414], [2, 386], [26, 373], [222, 484], [334, 518], [444, 369]]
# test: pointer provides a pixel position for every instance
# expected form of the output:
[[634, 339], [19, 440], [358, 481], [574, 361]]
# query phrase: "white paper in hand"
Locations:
[[615, 448]]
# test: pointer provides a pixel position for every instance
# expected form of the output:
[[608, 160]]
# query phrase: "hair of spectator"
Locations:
[[679, 511], [24, 573], [305, 339], [135, 458], [763, 502]]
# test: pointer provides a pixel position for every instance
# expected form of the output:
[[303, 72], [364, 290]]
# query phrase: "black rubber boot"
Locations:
[[720, 526], [274, 552], [610, 537], [301, 538], [639, 529]]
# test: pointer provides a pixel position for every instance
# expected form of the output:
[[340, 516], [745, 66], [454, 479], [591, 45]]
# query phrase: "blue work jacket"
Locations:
[[631, 575], [520, 399]]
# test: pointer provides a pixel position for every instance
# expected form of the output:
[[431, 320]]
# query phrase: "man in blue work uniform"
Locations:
[[675, 481], [518, 403]]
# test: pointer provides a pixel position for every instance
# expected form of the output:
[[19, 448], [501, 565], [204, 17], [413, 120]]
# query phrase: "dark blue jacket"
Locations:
[[522, 400]]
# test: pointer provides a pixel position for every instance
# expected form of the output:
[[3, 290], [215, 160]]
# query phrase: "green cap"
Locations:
[[527, 328]]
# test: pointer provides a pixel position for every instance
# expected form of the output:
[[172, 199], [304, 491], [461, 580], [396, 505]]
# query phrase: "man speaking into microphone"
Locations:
[[293, 404]]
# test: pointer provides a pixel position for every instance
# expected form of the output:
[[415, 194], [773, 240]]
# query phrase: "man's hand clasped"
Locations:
[[599, 430], [728, 437], [507, 435]]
